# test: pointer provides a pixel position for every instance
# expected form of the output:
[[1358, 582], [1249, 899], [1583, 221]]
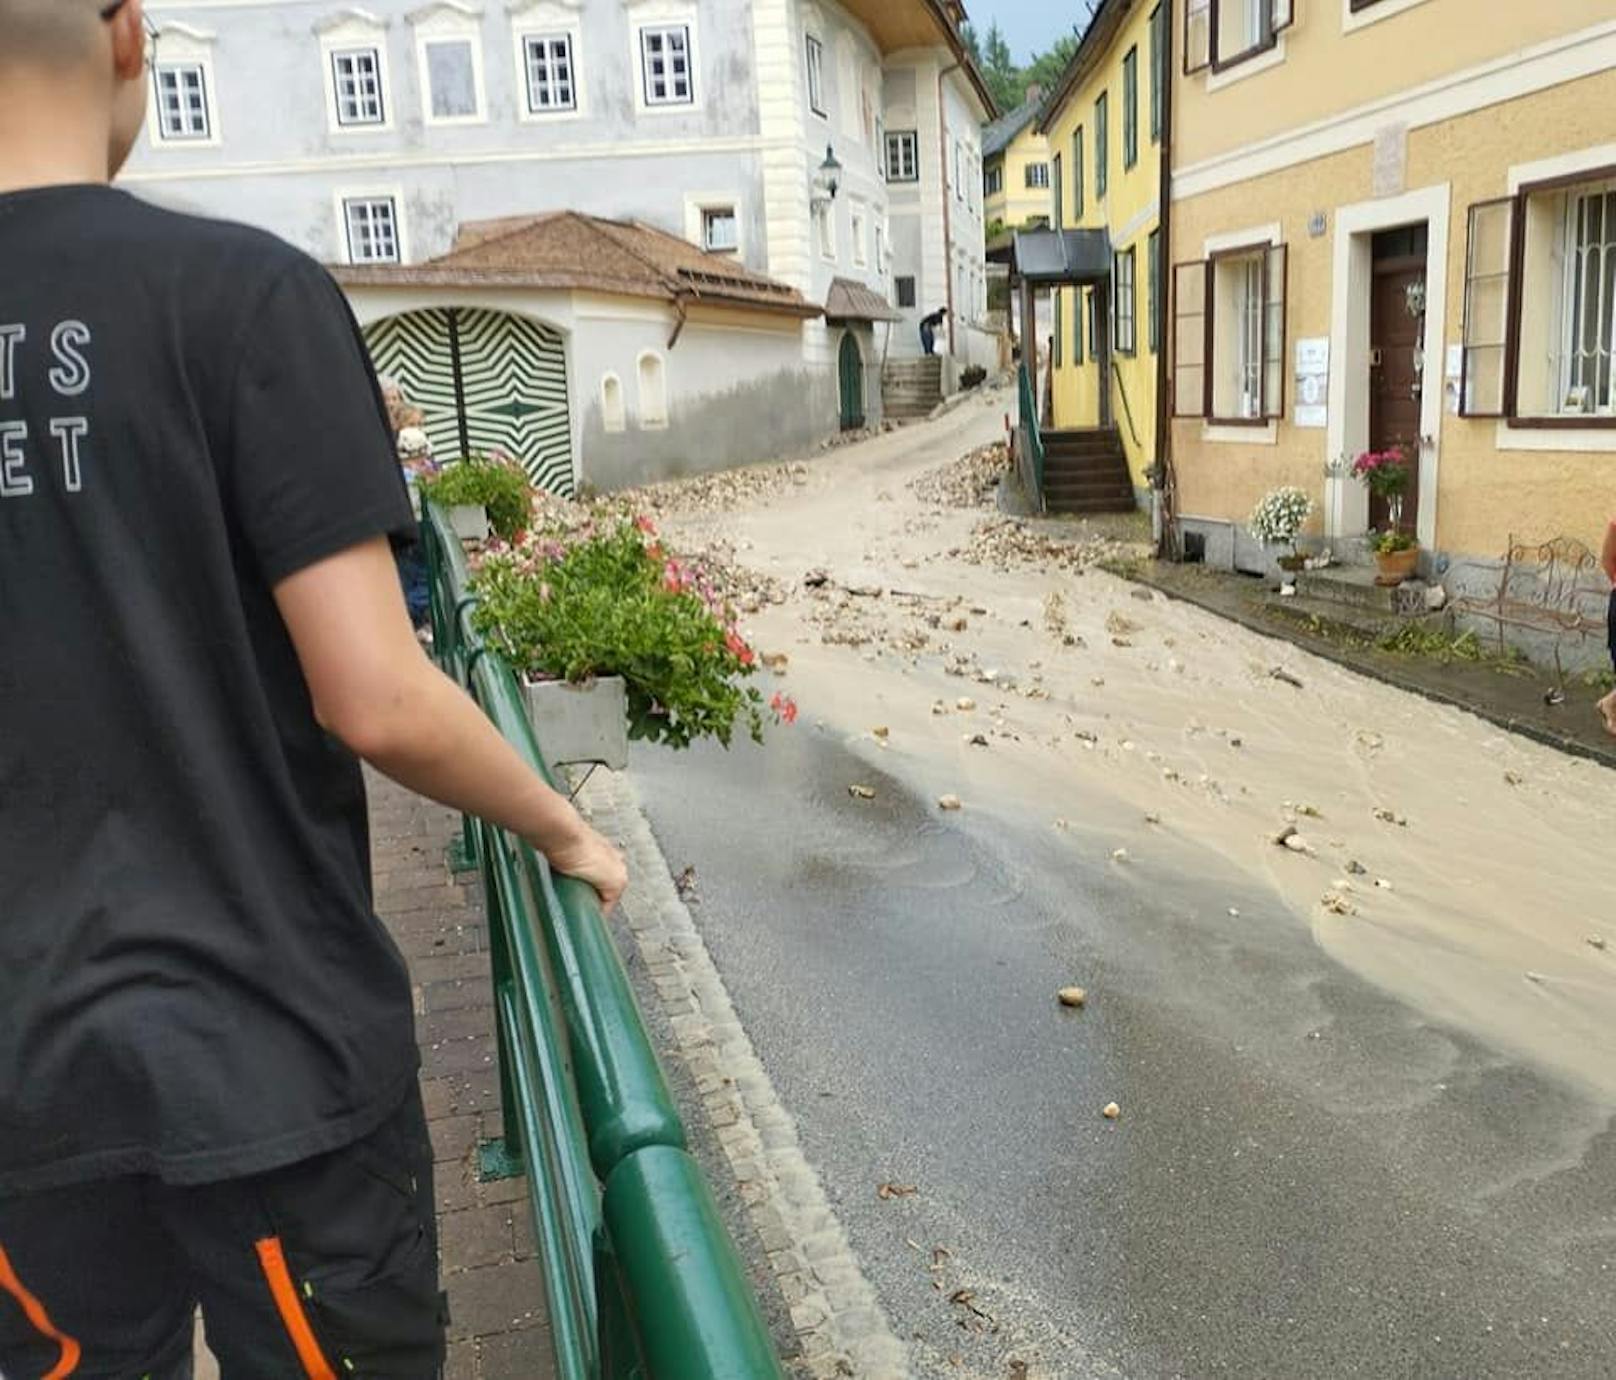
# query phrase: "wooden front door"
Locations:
[[1397, 360], [851, 372]]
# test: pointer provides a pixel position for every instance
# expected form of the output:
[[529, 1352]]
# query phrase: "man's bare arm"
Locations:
[[375, 690]]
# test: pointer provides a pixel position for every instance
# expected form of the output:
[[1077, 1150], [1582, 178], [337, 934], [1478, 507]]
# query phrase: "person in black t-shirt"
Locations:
[[929, 326], [207, 1057]]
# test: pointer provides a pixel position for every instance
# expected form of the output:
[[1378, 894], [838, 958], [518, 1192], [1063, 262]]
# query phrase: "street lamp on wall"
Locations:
[[828, 180]]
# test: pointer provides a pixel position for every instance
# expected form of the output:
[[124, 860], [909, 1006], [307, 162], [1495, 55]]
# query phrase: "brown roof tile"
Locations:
[[567, 249]]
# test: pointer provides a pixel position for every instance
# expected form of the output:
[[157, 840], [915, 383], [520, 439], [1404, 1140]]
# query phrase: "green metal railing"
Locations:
[[642, 1279], [1031, 449]]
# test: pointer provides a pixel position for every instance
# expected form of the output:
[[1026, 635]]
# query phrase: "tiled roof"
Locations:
[[852, 301], [567, 249], [999, 135]]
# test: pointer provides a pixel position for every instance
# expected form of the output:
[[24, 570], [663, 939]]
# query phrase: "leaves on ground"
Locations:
[[889, 1191]]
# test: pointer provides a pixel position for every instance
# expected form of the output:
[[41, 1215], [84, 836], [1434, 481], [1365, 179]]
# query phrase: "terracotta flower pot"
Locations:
[[1396, 566]]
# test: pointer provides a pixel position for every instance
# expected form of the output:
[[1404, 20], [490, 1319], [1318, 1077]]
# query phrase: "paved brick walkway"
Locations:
[[496, 1297]]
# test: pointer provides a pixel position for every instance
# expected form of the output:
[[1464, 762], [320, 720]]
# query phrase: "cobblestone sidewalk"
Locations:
[[496, 1297]]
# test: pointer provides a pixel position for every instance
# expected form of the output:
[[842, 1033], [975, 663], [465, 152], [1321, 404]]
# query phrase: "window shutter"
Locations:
[[1274, 284], [1281, 15], [1197, 35], [1192, 377], [1486, 308]]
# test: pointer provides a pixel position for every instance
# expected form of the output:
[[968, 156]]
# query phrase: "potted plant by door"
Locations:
[[616, 640], [1278, 519], [1386, 474], [483, 493]]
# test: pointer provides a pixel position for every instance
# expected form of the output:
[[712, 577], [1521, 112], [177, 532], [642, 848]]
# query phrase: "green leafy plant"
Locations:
[[1391, 543], [495, 482], [608, 601]]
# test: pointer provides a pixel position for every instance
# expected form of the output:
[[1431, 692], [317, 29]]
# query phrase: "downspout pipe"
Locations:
[[948, 231], [1165, 480]]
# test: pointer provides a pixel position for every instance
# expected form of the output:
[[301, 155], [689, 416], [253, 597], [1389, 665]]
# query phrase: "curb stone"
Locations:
[[838, 1318]]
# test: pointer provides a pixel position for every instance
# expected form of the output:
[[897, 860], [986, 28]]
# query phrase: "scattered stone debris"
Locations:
[[1005, 543], [861, 792], [1513, 778], [685, 885], [1072, 996], [1356, 869], [1120, 855], [968, 482], [881, 731], [965, 704], [1279, 673], [1337, 904], [722, 492], [1386, 816], [1110, 1111], [976, 739], [949, 802], [938, 708], [816, 579], [1121, 626], [886, 1192], [977, 1319], [776, 662], [1142, 594]]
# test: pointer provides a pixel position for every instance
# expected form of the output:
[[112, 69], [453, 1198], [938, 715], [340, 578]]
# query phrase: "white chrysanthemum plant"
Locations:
[[1279, 517]]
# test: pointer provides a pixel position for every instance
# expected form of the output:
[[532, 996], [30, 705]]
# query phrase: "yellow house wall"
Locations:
[[1484, 494], [1327, 69], [1018, 202], [1130, 211]]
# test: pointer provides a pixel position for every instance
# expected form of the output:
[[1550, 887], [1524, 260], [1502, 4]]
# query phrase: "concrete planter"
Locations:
[[580, 723], [470, 521]]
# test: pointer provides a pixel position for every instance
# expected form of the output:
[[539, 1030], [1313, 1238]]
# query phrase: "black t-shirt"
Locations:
[[193, 983]]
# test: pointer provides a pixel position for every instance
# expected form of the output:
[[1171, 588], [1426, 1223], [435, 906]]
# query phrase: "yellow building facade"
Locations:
[[1104, 125], [1015, 176], [1393, 222]]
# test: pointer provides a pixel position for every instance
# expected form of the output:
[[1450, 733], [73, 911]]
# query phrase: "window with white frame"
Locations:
[[825, 227], [372, 225], [182, 101], [959, 171], [880, 247], [356, 75], [1124, 299], [1229, 336], [1222, 33], [1540, 305], [857, 229], [993, 180], [816, 75], [551, 80], [720, 229], [1038, 174], [665, 60], [450, 69], [903, 155]]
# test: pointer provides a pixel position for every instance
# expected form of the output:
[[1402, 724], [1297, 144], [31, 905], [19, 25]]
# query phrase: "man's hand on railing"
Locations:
[[374, 688], [590, 858]]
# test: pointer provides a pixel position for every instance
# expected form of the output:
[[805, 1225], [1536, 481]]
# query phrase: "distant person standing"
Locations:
[[1607, 562], [929, 326]]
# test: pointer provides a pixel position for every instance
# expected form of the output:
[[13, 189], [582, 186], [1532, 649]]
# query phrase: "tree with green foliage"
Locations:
[[1008, 82]]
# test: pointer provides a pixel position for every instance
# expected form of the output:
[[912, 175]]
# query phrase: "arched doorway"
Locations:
[[850, 370], [485, 380]]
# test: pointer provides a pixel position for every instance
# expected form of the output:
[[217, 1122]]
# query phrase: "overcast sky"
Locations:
[[1029, 26]]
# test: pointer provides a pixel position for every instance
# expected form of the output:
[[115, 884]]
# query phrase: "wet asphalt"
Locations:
[[1307, 1179]]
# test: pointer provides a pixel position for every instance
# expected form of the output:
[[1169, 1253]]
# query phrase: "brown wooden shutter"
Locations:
[[1275, 273], [1197, 35], [1488, 292], [1192, 375]]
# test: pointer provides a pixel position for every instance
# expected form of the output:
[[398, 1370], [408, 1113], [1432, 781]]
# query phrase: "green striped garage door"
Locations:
[[485, 380]]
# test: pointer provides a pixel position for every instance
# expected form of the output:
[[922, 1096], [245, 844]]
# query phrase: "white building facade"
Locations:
[[811, 140]]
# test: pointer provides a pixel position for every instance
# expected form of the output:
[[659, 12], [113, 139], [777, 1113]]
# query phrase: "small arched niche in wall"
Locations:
[[613, 415], [653, 391]]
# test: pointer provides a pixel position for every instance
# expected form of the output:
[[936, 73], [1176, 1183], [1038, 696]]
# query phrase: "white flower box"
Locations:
[[470, 521], [580, 723]]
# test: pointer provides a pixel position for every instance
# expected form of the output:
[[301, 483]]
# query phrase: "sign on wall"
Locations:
[[1313, 382]]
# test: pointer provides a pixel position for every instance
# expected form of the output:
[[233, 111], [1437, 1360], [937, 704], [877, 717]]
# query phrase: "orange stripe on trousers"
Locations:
[[34, 1311], [290, 1307]]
